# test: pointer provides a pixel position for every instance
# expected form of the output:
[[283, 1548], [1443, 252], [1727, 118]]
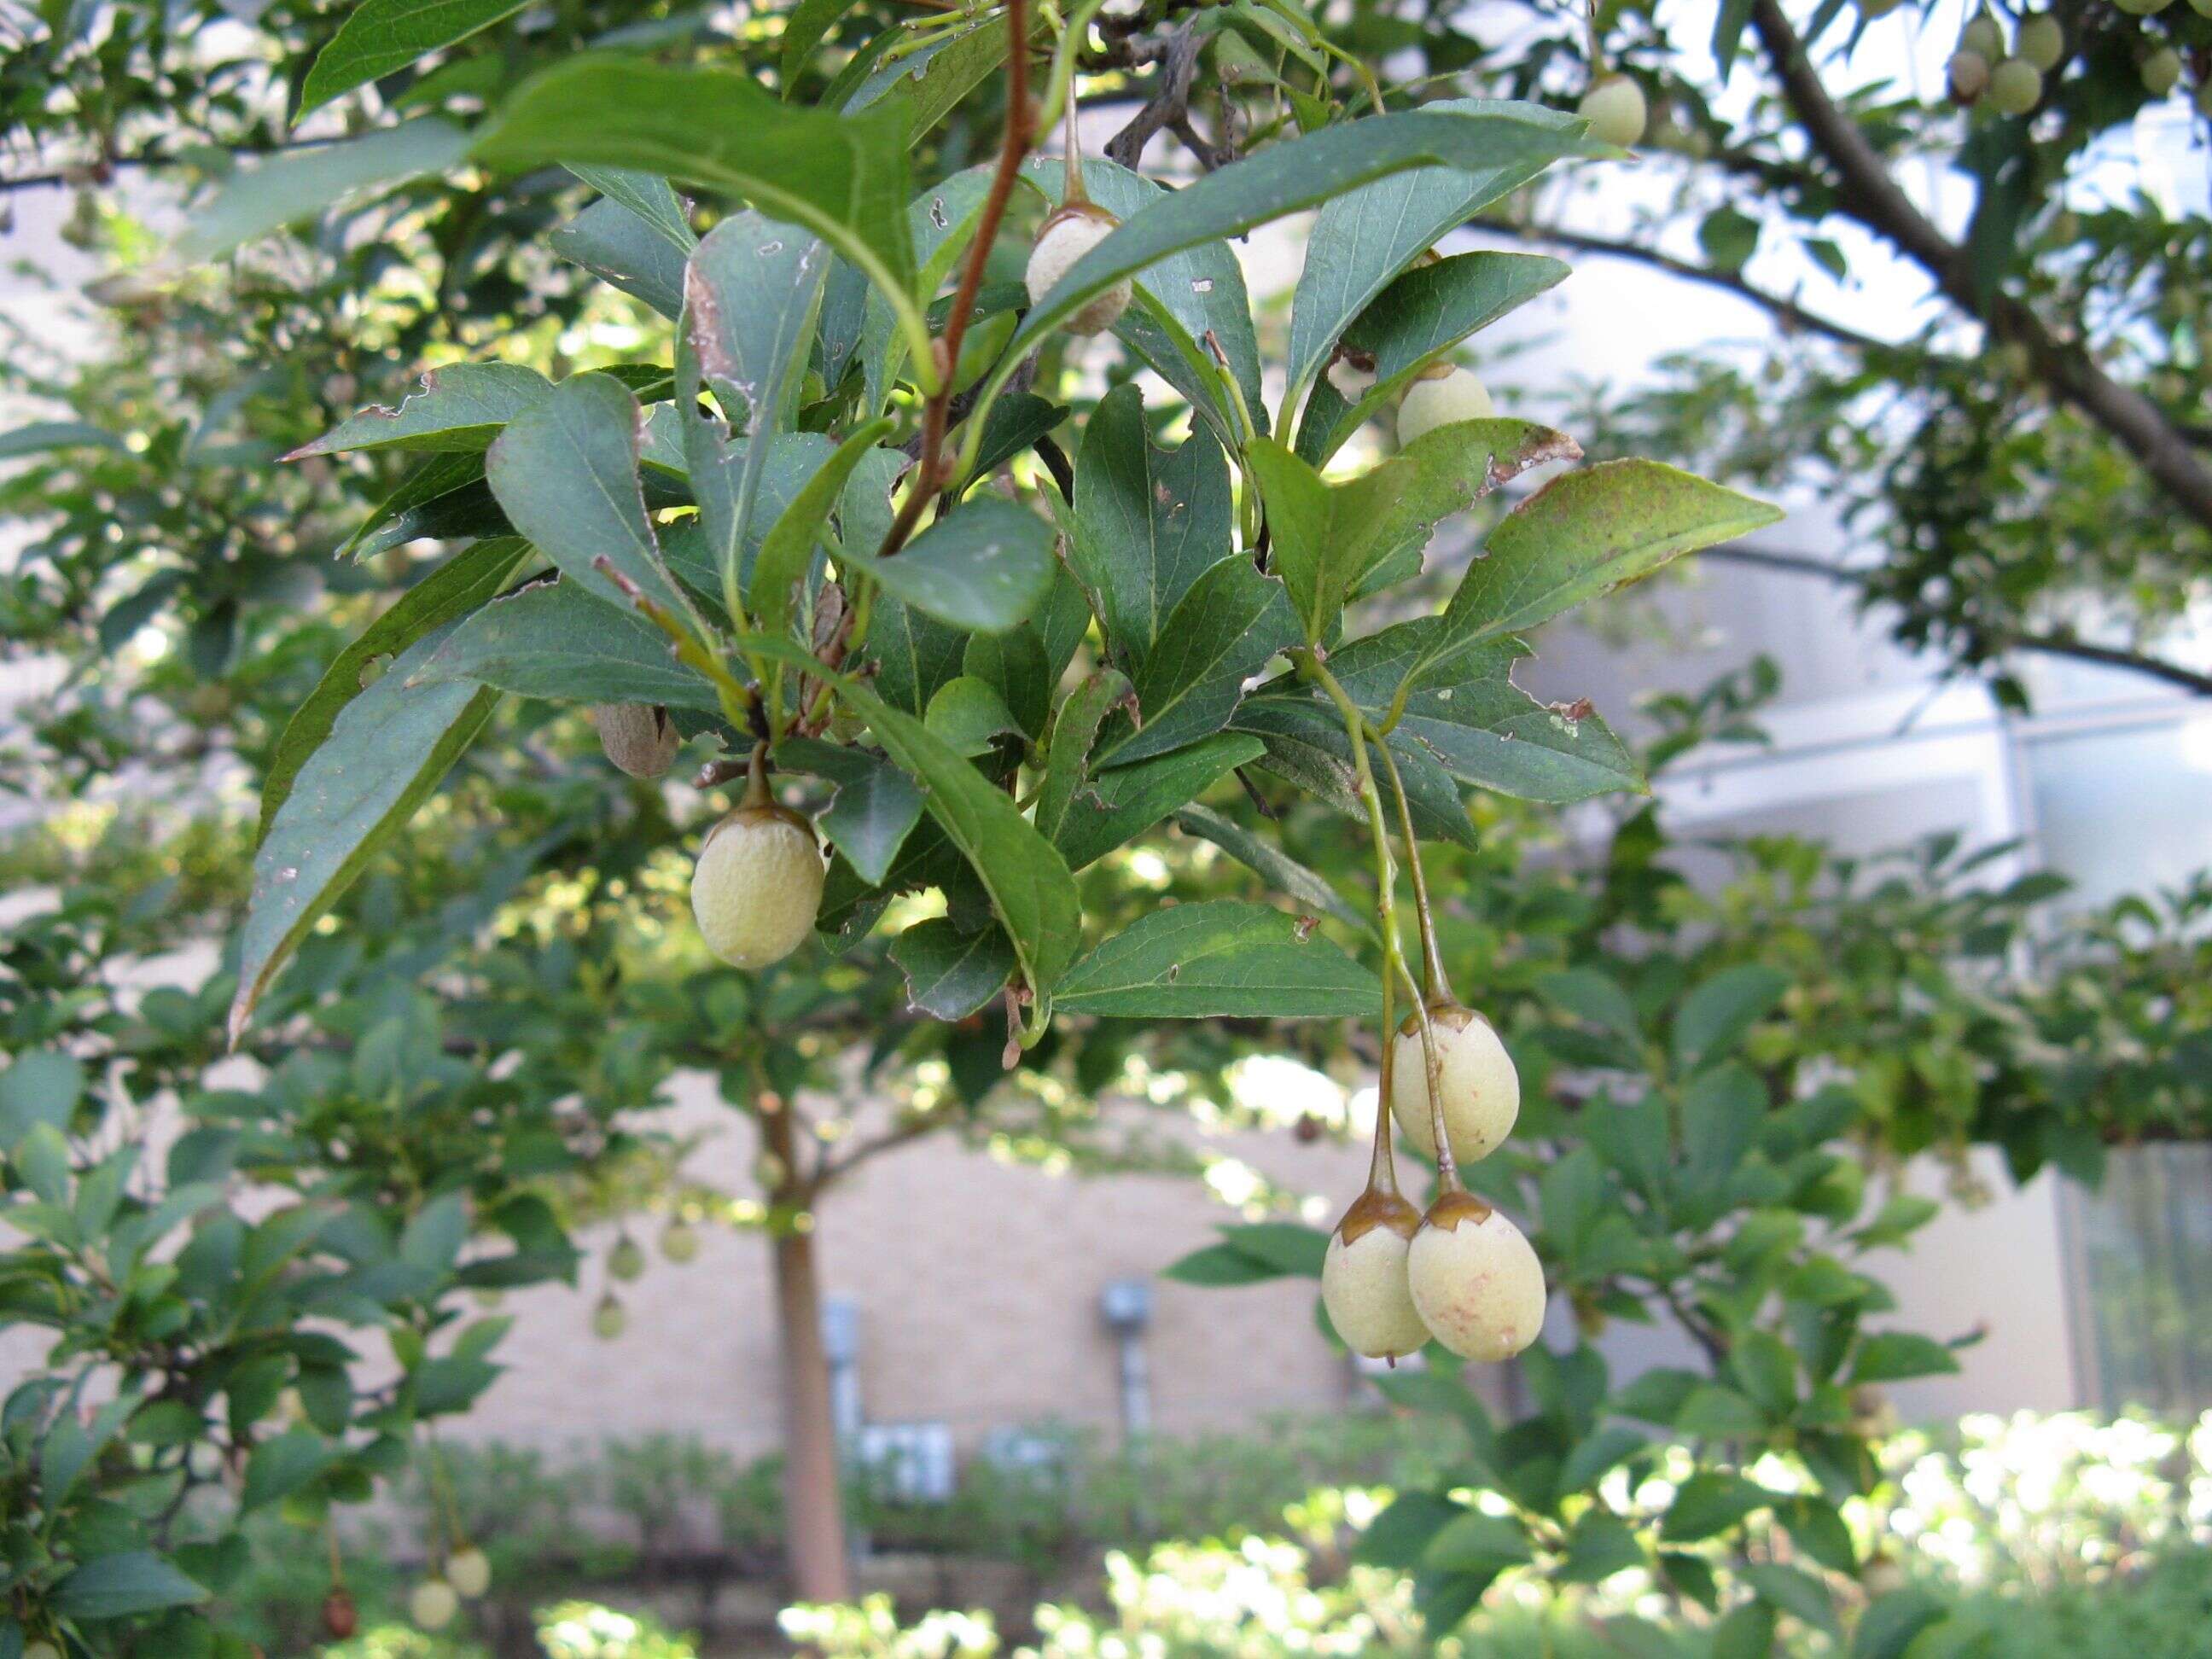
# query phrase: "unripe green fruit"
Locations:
[[468, 1571], [1982, 37], [626, 1261], [2143, 8], [1437, 400], [433, 1604], [637, 737], [2161, 71], [1969, 75], [1476, 1282], [757, 886], [2201, 8], [608, 1319], [2040, 41], [1615, 110], [1363, 1278], [1067, 237], [1481, 1091], [679, 1242], [2015, 87]]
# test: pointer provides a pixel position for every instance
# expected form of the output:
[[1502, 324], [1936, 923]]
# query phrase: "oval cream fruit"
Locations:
[[2015, 87], [1067, 236], [1475, 1280], [757, 886], [1439, 398], [468, 1569], [1363, 1278], [434, 1604], [1615, 110], [1479, 1086]]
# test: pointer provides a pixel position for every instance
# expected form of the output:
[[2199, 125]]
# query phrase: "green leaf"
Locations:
[[1590, 995], [876, 805], [119, 1586], [1507, 144], [928, 84], [1264, 858], [844, 177], [1329, 538], [647, 195], [305, 183], [809, 23], [39, 1086], [1216, 1265], [1709, 1502], [1400, 1535], [1289, 1247], [1745, 1632], [459, 408], [950, 974], [1888, 1627], [1476, 1542], [788, 547], [1029, 886], [752, 292], [1119, 806], [983, 567], [1766, 1370], [387, 751], [1148, 521], [1714, 1016], [620, 248], [1462, 708], [457, 587], [1223, 959], [971, 715], [380, 36], [555, 641], [281, 1467], [940, 221], [1587, 532], [1895, 1356], [1794, 1590], [566, 473], [1364, 238], [1419, 317], [41, 437], [445, 497], [1223, 632], [1307, 744], [1601, 1545], [433, 1237], [1597, 1454], [1074, 730], [1818, 1529]]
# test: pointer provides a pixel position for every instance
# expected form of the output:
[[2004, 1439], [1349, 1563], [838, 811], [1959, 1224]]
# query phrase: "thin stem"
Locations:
[[1434, 984], [741, 704], [1382, 1166], [929, 474], [1394, 947]]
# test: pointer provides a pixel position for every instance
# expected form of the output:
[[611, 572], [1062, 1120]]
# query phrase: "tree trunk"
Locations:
[[814, 1504]]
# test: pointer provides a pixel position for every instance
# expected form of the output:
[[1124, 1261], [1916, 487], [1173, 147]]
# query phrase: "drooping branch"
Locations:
[[1867, 192]]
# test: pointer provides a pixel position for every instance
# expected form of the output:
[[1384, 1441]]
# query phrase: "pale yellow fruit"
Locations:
[[1480, 1089], [2161, 71], [434, 1604], [608, 1319], [637, 737], [1982, 38], [2040, 41], [42, 1651], [1067, 237], [2015, 87], [1475, 1280], [757, 886], [1363, 1278], [1615, 110], [468, 1571], [1439, 400], [679, 1242], [1969, 75]]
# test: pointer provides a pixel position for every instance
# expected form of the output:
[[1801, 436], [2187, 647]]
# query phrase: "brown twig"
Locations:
[[936, 413]]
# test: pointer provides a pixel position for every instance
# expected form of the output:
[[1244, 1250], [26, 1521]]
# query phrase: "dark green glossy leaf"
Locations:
[[985, 566], [459, 407], [949, 974], [1227, 626], [380, 36], [1222, 959], [877, 803], [556, 641]]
